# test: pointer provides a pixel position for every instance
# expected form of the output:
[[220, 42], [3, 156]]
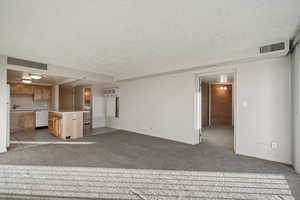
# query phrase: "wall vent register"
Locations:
[[26, 63], [273, 47], [110, 92]]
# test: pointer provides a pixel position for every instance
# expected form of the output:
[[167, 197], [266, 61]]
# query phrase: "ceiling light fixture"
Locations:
[[223, 79], [223, 88], [27, 81], [36, 76]]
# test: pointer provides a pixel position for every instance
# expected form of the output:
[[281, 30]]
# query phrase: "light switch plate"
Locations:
[[274, 145]]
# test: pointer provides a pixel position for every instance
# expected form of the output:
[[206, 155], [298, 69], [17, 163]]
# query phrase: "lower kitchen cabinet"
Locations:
[[22, 120], [55, 124]]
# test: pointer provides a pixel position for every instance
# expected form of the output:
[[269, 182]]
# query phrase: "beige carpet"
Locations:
[[37, 182]]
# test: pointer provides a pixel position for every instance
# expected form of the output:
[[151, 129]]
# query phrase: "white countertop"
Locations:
[[27, 109], [68, 111]]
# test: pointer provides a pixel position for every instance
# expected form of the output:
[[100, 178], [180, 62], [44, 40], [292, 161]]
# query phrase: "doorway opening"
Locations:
[[217, 110]]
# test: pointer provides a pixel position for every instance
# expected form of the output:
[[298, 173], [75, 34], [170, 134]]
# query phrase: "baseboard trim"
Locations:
[[3, 150]]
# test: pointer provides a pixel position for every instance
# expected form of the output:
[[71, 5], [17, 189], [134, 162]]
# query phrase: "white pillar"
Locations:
[[55, 97], [3, 109]]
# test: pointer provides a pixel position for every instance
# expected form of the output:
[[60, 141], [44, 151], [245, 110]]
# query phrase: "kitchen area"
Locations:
[[44, 107]]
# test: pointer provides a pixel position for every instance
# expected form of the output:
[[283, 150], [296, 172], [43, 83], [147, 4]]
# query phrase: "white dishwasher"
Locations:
[[41, 118]]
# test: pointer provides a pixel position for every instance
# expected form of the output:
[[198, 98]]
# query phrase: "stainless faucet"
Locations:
[[15, 106]]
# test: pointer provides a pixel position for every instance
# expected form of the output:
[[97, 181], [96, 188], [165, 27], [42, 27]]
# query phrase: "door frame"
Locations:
[[198, 100], [4, 110]]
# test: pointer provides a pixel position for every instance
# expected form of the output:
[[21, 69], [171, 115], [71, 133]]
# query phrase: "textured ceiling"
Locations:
[[127, 38]]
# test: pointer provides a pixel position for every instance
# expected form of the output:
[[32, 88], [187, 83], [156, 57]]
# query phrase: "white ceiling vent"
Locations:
[[110, 92], [272, 48], [26, 63]]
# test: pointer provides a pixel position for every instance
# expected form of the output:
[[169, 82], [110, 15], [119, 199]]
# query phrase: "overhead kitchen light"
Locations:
[[26, 80], [35, 76]]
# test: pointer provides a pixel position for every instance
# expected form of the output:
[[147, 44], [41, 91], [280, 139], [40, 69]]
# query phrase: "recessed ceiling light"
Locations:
[[36, 76], [26, 80]]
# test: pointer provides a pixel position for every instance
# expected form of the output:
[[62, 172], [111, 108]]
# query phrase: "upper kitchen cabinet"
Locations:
[[37, 93], [41, 93], [47, 91], [17, 88]]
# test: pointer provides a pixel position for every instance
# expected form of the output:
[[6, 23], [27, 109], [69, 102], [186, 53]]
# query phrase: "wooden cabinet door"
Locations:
[[26, 89], [55, 124], [28, 120], [51, 125], [46, 93], [58, 125], [42, 93], [14, 121], [22, 121], [37, 93], [16, 88]]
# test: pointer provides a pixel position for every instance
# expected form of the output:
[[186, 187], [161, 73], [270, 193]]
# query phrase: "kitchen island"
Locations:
[[66, 124]]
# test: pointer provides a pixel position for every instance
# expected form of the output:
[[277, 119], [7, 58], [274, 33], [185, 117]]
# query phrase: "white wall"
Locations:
[[112, 122], [266, 87], [163, 106], [160, 106], [98, 107]]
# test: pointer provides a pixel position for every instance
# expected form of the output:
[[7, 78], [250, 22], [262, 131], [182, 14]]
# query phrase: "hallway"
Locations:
[[221, 137]]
